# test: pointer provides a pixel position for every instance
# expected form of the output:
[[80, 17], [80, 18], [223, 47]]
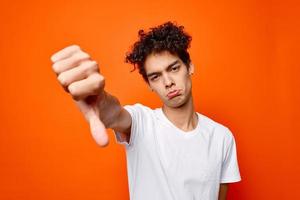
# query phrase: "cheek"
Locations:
[[158, 90], [183, 80], [160, 93], [187, 83]]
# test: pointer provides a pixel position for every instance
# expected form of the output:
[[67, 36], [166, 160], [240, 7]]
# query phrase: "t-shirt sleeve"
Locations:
[[136, 113], [230, 169]]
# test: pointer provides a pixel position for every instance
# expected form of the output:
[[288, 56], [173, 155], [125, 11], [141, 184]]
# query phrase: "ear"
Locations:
[[191, 69]]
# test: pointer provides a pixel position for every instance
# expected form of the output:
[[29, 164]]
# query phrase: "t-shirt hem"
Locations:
[[231, 180], [118, 137]]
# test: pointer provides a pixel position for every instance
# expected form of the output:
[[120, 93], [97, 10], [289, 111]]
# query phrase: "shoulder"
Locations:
[[219, 130], [139, 111], [137, 107]]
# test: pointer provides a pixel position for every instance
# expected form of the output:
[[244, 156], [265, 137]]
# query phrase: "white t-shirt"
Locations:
[[167, 163]]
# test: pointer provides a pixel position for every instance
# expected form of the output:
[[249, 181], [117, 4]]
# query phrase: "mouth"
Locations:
[[173, 94]]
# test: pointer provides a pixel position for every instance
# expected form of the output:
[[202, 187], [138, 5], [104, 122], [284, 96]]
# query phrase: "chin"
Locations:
[[174, 103]]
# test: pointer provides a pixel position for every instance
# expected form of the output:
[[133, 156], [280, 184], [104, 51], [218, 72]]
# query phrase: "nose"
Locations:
[[168, 81]]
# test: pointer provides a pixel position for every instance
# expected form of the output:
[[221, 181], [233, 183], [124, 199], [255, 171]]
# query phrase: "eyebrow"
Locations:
[[169, 66]]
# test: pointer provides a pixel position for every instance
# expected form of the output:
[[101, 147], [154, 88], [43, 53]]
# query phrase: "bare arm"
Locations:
[[114, 116], [223, 191]]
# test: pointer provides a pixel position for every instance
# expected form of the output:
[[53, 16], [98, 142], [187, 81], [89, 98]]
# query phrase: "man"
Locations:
[[173, 152]]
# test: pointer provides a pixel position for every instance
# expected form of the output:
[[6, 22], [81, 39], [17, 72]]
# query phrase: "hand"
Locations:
[[80, 76]]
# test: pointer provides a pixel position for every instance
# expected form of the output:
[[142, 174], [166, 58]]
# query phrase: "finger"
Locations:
[[98, 130], [70, 62], [64, 53], [87, 87], [81, 72]]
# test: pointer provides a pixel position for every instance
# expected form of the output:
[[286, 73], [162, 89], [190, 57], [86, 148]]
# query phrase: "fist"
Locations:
[[80, 76], [77, 73]]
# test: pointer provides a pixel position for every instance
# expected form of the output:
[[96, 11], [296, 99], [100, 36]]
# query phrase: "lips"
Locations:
[[173, 94]]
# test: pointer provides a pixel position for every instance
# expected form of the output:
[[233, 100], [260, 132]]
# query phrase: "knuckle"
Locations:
[[93, 66], [73, 91], [99, 82], [85, 55], [56, 67], [98, 78], [62, 79], [82, 55], [52, 58], [75, 47]]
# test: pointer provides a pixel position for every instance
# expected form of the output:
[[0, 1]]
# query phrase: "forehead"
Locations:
[[159, 61]]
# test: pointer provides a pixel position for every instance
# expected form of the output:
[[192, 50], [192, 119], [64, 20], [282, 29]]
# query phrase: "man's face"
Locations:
[[169, 78]]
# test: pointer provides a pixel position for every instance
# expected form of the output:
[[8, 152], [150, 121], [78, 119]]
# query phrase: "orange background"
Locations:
[[246, 55]]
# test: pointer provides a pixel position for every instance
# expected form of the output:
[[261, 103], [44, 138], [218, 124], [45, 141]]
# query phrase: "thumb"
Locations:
[[98, 129]]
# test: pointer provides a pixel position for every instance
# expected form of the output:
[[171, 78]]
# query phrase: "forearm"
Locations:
[[223, 191], [109, 109]]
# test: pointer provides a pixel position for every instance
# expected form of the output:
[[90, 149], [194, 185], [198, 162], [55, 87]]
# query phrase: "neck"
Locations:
[[183, 117]]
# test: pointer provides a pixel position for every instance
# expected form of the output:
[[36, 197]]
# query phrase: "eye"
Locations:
[[175, 68], [154, 78]]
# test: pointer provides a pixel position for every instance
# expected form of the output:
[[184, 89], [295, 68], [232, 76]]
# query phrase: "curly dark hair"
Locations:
[[165, 37]]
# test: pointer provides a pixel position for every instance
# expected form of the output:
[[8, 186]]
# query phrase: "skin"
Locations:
[[167, 72], [81, 78], [223, 191]]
